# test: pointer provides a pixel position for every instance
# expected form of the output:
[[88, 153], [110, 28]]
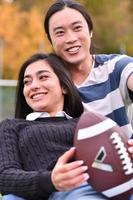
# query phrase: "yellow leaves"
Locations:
[[8, 22], [22, 33], [112, 25]]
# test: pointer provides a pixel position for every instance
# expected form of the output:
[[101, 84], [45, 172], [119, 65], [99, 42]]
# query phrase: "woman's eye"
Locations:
[[43, 77], [27, 82]]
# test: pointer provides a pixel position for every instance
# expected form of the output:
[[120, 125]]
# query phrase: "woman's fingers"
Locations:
[[73, 178], [65, 175], [130, 149], [67, 156]]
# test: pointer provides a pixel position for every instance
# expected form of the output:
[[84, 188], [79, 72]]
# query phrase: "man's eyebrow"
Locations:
[[57, 28], [77, 22], [60, 27]]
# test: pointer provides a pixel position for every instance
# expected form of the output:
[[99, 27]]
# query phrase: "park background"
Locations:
[[22, 34]]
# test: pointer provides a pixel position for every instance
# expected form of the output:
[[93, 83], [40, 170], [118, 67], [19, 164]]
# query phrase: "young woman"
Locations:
[[36, 158]]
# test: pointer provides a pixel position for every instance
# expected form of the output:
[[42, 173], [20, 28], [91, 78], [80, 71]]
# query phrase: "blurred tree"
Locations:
[[28, 5], [23, 35], [112, 25], [21, 29], [131, 7]]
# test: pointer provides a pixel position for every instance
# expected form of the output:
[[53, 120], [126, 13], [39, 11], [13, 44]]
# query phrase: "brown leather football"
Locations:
[[102, 144]]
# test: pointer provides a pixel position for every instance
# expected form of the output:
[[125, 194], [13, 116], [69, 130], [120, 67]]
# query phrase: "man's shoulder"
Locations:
[[102, 58]]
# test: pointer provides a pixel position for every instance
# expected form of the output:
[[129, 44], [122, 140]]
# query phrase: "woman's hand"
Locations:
[[130, 149], [66, 176]]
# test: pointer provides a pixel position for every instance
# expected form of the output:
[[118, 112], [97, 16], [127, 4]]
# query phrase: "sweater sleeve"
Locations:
[[13, 179]]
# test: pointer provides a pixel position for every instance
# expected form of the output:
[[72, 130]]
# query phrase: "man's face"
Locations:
[[70, 35]]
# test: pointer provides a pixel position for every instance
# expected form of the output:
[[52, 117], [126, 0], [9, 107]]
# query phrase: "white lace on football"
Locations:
[[122, 151]]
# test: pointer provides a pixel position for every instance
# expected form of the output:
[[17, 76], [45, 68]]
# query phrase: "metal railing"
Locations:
[[7, 98]]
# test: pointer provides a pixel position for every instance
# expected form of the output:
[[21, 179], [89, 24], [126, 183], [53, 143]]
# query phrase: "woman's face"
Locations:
[[42, 89]]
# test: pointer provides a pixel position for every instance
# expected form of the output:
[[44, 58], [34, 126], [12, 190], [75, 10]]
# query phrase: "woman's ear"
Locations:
[[64, 90]]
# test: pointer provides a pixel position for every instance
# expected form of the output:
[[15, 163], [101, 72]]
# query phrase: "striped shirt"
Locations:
[[105, 89]]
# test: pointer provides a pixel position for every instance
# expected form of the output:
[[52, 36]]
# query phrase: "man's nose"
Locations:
[[70, 37]]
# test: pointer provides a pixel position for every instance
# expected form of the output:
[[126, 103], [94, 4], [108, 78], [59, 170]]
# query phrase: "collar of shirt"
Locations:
[[33, 116]]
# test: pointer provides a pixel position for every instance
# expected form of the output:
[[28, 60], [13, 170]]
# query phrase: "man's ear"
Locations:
[[91, 34]]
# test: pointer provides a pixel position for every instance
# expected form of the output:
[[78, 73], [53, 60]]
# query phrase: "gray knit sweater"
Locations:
[[28, 153]]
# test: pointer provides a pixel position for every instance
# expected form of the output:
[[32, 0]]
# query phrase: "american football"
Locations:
[[102, 144]]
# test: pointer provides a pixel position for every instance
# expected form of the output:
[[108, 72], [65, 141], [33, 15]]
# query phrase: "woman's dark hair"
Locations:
[[72, 103], [59, 5]]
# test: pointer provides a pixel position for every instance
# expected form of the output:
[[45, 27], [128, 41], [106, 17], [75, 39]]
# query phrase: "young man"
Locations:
[[105, 82]]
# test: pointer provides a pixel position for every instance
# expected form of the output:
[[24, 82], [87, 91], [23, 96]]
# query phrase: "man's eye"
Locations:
[[77, 28], [59, 33]]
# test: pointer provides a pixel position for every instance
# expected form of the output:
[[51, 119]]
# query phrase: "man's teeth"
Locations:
[[73, 49]]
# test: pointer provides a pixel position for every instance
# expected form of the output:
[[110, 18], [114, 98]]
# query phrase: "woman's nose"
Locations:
[[35, 84]]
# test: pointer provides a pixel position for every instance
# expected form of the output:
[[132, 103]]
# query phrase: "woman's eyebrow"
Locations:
[[42, 71], [37, 73]]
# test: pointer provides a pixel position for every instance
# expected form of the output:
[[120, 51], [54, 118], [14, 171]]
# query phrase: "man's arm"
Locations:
[[130, 86], [130, 89]]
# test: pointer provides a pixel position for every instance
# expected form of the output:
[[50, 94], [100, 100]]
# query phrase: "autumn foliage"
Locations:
[[22, 33]]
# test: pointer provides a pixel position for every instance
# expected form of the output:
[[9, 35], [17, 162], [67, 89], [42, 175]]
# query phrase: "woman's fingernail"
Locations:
[[80, 162], [86, 176], [84, 168], [130, 149], [73, 148]]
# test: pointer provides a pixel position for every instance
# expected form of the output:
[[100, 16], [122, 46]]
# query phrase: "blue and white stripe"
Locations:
[[105, 89]]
